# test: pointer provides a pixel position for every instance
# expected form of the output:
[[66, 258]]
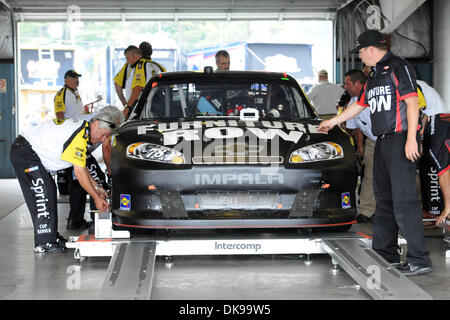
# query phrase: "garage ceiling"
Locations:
[[119, 10]]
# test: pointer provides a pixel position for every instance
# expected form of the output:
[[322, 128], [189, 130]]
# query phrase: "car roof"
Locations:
[[225, 75]]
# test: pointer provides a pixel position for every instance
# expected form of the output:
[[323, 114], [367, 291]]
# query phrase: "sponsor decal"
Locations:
[[237, 178], [125, 202], [43, 228], [31, 169], [379, 99], [93, 171], [432, 125], [40, 198], [254, 247], [345, 200], [227, 129], [434, 184]]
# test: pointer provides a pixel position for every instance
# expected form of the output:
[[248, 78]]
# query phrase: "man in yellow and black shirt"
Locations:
[[133, 77], [52, 146], [68, 103], [146, 53]]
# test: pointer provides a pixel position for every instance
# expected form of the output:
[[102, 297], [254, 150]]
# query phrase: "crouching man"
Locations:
[[53, 146]]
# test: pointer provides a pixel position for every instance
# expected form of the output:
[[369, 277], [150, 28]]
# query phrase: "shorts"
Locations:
[[437, 141]]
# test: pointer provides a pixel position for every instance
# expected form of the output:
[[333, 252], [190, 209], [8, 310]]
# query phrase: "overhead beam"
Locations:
[[54, 17], [180, 4], [114, 10]]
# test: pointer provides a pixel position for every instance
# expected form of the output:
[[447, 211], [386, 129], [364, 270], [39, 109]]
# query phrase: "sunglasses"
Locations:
[[111, 125]]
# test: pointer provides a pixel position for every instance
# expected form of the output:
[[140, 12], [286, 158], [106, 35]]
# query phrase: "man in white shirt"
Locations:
[[68, 103], [434, 102], [133, 77], [365, 141], [52, 146], [325, 95]]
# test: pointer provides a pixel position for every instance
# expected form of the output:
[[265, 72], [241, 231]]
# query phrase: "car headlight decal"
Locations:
[[317, 152], [154, 152]]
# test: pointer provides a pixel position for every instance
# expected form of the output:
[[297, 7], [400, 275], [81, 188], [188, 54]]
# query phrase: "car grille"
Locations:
[[305, 203], [172, 204], [252, 200], [168, 202], [237, 160]]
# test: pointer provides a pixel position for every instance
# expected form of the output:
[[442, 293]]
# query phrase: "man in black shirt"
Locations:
[[391, 94]]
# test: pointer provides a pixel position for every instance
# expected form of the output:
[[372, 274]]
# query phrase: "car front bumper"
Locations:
[[234, 197]]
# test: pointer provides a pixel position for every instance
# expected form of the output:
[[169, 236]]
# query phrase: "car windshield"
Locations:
[[199, 99]]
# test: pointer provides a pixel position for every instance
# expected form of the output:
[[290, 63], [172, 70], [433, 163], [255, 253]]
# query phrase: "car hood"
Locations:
[[208, 141]]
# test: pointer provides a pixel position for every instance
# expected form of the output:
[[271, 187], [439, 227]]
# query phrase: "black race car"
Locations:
[[230, 149]]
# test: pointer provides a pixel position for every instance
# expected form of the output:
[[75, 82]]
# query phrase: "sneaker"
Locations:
[[50, 247], [362, 218], [61, 240], [409, 270], [447, 239]]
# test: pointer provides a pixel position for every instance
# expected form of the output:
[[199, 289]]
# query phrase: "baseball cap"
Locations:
[[71, 74], [369, 38], [323, 73]]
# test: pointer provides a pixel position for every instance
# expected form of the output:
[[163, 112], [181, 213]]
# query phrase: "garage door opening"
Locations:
[[95, 50]]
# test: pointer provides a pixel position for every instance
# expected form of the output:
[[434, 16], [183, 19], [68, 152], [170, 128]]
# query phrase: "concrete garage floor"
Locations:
[[26, 275]]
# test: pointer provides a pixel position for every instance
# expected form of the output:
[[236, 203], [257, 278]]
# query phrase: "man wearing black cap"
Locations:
[[68, 103], [391, 94]]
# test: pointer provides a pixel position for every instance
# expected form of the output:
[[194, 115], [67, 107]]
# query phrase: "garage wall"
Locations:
[[441, 48], [6, 34]]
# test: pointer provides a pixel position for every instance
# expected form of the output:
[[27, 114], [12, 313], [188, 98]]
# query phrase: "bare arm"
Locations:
[[119, 92], [133, 98], [106, 150], [423, 124], [444, 183], [359, 142], [134, 95], [88, 184], [412, 114]]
